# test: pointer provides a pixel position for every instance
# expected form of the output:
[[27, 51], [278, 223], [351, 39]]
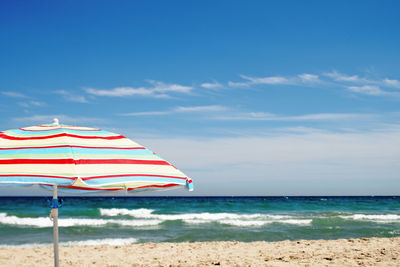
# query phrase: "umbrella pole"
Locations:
[[54, 216]]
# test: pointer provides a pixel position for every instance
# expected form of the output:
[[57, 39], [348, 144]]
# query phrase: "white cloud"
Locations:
[[30, 104], [72, 97], [308, 78], [120, 91], [238, 84], [64, 119], [247, 165], [164, 87], [301, 79], [220, 113], [147, 113], [200, 108], [13, 94], [343, 77], [364, 85], [328, 116], [392, 83], [214, 85], [367, 89], [259, 80], [187, 109], [266, 80], [159, 90], [264, 116], [329, 79]]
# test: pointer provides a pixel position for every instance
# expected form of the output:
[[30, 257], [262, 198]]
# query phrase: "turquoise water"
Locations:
[[105, 220]]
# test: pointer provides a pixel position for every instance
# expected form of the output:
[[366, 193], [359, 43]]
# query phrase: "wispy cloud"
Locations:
[[238, 84], [366, 86], [29, 104], [214, 85], [265, 116], [187, 109], [266, 80], [301, 79], [200, 108], [367, 90], [119, 91], [158, 90], [313, 156], [14, 94], [229, 114], [64, 119], [337, 76], [165, 87], [71, 96], [250, 81], [309, 78], [392, 83], [333, 79], [369, 86], [328, 116], [147, 113]]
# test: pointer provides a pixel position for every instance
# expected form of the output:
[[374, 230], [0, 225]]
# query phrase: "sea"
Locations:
[[24, 221]]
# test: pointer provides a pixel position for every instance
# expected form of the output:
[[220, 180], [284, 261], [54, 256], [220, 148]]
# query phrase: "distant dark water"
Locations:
[[98, 220]]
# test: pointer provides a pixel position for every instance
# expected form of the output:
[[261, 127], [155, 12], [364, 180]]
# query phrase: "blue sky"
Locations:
[[246, 97]]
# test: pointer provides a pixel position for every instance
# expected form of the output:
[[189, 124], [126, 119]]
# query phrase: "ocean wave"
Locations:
[[379, 218], [134, 213], [148, 214], [251, 223], [298, 222], [68, 222], [93, 242], [394, 233], [256, 219], [242, 223]]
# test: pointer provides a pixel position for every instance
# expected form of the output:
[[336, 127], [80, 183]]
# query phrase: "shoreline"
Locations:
[[339, 252]]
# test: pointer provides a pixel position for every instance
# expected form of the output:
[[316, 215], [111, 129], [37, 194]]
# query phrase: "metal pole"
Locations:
[[54, 215]]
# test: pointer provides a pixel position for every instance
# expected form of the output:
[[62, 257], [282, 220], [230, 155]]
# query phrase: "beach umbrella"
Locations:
[[82, 160]]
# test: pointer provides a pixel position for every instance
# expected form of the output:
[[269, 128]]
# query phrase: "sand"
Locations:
[[341, 252]]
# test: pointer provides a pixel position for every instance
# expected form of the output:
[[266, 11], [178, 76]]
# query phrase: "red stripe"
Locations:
[[148, 186], [92, 189], [96, 147], [4, 136], [83, 161], [68, 128], [55, 125], [86, 188], [128, 175], [34, 175]]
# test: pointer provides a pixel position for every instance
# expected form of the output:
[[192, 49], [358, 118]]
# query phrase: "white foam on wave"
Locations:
[[250, 223], [234, 219], [298, 221], [134, 213], [245, 223], [380, 218], [394, 232], [68, 222], [148, 214], [93, 242], [146, 217], [231, 222]]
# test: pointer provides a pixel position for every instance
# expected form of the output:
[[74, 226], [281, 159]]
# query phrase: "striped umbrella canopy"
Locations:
[[82, 160]]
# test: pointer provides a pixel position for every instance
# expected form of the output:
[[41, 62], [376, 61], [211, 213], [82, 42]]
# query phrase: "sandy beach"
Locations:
[[341, 252]]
